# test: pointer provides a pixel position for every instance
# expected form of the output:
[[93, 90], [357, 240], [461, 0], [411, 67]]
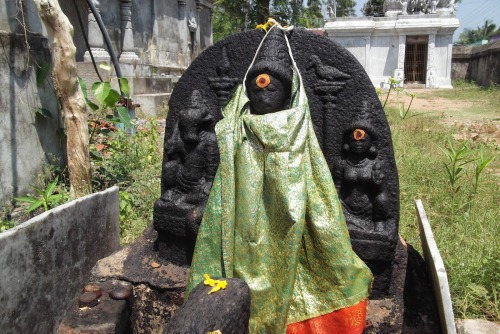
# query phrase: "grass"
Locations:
[[465, 228]]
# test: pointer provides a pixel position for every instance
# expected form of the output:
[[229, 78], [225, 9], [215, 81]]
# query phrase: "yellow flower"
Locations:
[[261, 26], [270, 22], [217, 284], [208, 280]]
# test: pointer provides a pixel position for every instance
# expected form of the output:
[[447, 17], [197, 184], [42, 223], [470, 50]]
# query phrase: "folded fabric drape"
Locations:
[[273, 218]]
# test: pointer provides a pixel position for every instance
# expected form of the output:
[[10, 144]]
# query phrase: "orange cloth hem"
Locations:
[[349, 320]]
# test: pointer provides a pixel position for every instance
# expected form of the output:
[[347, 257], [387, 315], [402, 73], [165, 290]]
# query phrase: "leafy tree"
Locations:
[[346, 8], [469, 36], [231, 16], [373, 8]]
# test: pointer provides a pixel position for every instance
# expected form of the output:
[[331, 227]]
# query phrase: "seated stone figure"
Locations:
[[192, 158], [273, 217]]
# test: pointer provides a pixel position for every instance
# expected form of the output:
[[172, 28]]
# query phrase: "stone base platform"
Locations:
[[158, 286], [158, 292]]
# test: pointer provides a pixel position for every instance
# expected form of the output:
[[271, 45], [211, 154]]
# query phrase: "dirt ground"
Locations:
[[476, 126]]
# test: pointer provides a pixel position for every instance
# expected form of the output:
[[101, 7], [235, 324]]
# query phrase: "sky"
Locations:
[[470, 13]]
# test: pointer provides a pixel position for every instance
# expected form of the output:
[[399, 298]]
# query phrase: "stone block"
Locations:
[[226, 310], [46, 260], [435, 266]]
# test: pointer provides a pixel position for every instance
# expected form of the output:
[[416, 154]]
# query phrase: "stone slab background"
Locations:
[[46, 261]]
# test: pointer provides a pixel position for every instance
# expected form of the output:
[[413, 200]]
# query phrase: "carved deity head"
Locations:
[[193, 119], [269, 80], [360, 137]]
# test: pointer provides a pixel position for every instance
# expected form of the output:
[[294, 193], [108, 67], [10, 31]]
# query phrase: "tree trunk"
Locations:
[[69, 94], [262, 11]]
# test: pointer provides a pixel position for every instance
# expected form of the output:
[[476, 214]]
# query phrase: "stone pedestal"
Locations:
[[128, 55], [159, 286]]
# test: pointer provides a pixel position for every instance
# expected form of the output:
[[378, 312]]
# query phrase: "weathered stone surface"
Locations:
[[226, 310], [28, 140], [477, 326], [341, 99], [136, 264], [158, 284], [410, 307], [109, 316], [45, 261], [153, 308]]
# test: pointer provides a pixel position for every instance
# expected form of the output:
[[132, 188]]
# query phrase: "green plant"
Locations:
[[6, 221], [457, 158], [405, 113], [46, 197], [393, 84], [480, 164], [126, 204]]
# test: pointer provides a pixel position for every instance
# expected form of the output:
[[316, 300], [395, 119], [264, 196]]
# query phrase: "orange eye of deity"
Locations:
[[263, 80], [359, 134]]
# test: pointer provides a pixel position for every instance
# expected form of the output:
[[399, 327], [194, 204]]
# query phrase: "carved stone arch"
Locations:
[[338, 90]]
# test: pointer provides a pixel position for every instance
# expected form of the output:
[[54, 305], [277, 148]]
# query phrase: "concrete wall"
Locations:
[[27, 139], [46, 261], [161, 35], [479, 63]]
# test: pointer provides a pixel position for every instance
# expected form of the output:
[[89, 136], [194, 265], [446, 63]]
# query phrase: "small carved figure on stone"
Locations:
[[452, 6], [192, 24], [431, 79], [361, 182], [192, 159], [326, 72], [404, 7], [433, 6]]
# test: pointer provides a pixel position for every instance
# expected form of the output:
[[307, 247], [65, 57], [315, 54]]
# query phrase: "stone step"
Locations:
[[154, 85], [168, 70], [151, 104]]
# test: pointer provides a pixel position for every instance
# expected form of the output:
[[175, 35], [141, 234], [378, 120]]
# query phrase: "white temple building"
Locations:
[[413, 41]]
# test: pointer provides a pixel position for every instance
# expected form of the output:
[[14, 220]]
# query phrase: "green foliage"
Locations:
[[346, 8], [373, 8], [44, 112], [134, 164], [395, 84], [41, 73], [6, 221], [456, 160], [46, 197], [232, 16], [469, 36]]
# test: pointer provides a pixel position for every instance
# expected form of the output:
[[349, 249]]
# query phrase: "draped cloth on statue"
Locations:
[[273, 218]]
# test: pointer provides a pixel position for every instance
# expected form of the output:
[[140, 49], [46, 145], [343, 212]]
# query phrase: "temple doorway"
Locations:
[[416, 59]]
